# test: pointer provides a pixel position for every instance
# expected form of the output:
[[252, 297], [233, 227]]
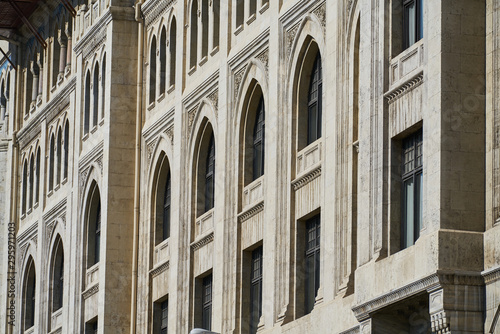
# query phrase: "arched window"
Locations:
[[194, 34], [216, 16], [94, 227], [103, 85], [163, 60], [210, 175], [152, 71], [172, 45], [204, 28], [25, 186], [51, 163], [163, 200], [66, 149], [314, 103], [86, 115], [96, 95], [59, 155], [31, 181], [57, 276], [258, 141], [29, 295], [37, 182]]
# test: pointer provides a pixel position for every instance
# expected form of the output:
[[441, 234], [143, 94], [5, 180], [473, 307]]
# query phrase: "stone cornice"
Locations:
[[205, 240], [202, 90], [94, 38], [153, 9], [249, 213], [48, 112], [306, 178], [252, 49], [404, 87], [55, 211], [90, 291], [427, 284], [491, 275], [354, 330], [89, 157], [165, 120], [159, 269]]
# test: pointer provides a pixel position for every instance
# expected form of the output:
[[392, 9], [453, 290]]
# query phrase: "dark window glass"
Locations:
[[66, 149], [258, 141], [166, 209], [25, 187], [30, 301], [210, 176], [163, 61], [97, 244], [86, 115], [164, 318], [314, 103], [152, 71], [51, 167], [312, 261], [412, 22], [256, 290], [412, 189], [31, 182], [58, 276], [207, 302], [37, 187]]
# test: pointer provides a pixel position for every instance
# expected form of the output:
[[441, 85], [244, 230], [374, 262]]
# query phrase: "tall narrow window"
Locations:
[[210, 176], [166, 209], [31, 181], [258, 141], [37, 182], [59, 155], [66, 149], [240, 12], [412, 22], [152, 71], [96, 95], [256, 290], [172, 46], [29, 300], [194, 34], [25, 187], [412, 189], [28, 89], [103, 85], [86, 114], [204, 28], [164, 317], [56, 56], [314, 103], [253, 7], [312, 262], [57, 276], [163, 60], [94, 227], [216, 22], [97, 244], [51, 163], [207, 302]]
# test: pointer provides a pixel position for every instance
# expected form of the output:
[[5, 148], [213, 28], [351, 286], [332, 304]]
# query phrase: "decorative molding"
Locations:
[[354, 330], [349, 6], [320, 12], [214, 99], [48, 233], [264, 58], [150, 150], [238, 77], [95, 155], [90, 291], [159, 269], [440, 323], [152, 10], [290, 37], [99, 162], [170, 134], [191, 115], [491, 275], [82, 179], [306, 178], [494, 322], [203, 241], [247, 214], [404, 88]]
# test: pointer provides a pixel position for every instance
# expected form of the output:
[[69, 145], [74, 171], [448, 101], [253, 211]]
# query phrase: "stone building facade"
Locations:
[[251, 166]]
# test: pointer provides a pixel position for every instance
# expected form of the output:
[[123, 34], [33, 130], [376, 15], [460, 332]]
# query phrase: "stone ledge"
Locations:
[[249, 213], [306, 178], [405, 87], [491, 275], [90, 291], [159, 269], [205, 240]]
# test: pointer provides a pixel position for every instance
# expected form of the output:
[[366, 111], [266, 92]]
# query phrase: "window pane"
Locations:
[[410, 23], [312, 123], [418, 204], [310, 284], [408, 238]]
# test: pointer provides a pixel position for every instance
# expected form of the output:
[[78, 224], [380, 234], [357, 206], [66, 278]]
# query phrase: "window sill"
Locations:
[[192, 70], [151, 106], [94, 129], [238, 30], [49, 194], [35, 206], [171, 89], [161, 97], [85, 137], [251, 18], [264, 7], [214, 51], [23, 216], [29, 211], [57, 187], [64, 180], [203, 61], [101, 122]]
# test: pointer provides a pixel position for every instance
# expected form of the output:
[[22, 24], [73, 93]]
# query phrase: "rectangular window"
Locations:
[[164, 318], [312, 262], [207, 302], [91, 327], [256, 290], [412, 181], [412, 22]]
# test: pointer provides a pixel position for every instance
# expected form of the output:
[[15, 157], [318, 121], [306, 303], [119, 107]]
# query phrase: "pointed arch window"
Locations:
[[204, 28], [194, 34], [163, 61], [166, 208], [86, 115], [172, 45], [152, 71], [66, 150], [31, 181], [25, 186], [37, 182], [314, 102], [57, 281], [51, 163], [103, 85], [56, 56], [59, 156], [210, 175], [163, 201], [29, 298], [94, 228], [95, 95], [258, 141]]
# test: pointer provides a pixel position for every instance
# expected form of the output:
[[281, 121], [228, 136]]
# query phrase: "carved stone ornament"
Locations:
[[214, 99], [170, 134], [238, 77], [95, 43], [440, 323], [150, 148], [264, 58], [320, 12], [349, 6], [83, 178], [290, 37], [191, 115], [160, 269], [99, 163], [48, 233]]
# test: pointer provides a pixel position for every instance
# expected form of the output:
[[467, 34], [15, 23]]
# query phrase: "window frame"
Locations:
[[206, 296], [210, 175], [418, 22], [258, 139], [312, 278], [256, 274], [315, 101]]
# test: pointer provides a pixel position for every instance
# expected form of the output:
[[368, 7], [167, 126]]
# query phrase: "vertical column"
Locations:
[[62, 55], [210, 27], [40, 77], [34, 92], [67, 31], [167, 63]]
